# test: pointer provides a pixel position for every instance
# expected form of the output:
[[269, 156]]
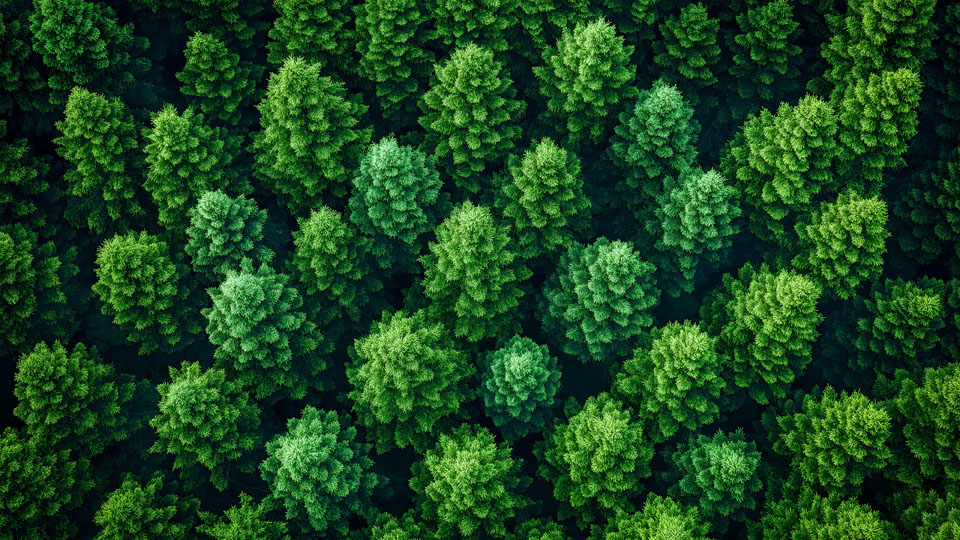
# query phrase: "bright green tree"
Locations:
[[812, 517], [766, 57], [311, 29], [470, 116], [933, 517], [71, 398], [216, 81], [688, 53], [931, 422], [487, 23], [675, 382], [599, 299], [100, 143], [206, 420], [223, 231], [310, 143], [408, 380], [767, 324], [146, 291], [587, 79], [319, 472], [661, 518], [385, 526], [595, 459], [542, 198], [262, 337], [519, 384], [469, 485], [540, 529], [843, 243], [246, 521], [472, 274], [148, 511], [836, 441]]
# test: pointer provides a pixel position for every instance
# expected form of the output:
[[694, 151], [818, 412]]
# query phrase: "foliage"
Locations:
[[310, 29], [931, 425], [812, 517], [31, 290], [766, 57], [661, 518], [688, 52], [223, 231], [487, 23], [215, 80], [143, 511], [247, 521]]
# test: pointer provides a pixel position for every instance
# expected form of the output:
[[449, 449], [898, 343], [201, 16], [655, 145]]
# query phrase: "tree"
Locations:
[[223, 231], [472, 274], [71, 399], [469, 485], [319, 472], [587, 79], [599, 299], [100, 143], [688, 52], [205, 420], [22, 77], [543, 198], [836, 441], [812, 517], [697, 221], [298, 155], [767, 324], [661, 518], [470, 116], [487, 23], [519, 384], [931, 422], [185, 158], [933, 517], [654, 144], [675, 382], [247, 521], [262, 337], [408, 380], [595, 459], [766, 57], [540, 529], [310, 29], [23, 185], [216, 81], [396, 199], [930, 211], [144, 511], [843, 243], [386, 527], [144, 288]]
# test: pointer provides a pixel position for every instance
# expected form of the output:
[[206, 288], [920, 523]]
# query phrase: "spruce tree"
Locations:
[[223, 231], [931, 422], [22, 77], [487, 23], [765, 57], [311, 29], [812, 517], [144, 511], [660, 518], [688, 53], [246, 521], [216, 81], [24, 188]]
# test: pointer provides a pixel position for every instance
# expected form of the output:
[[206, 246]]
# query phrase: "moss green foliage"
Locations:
[[145, 511], [246, 521], [100, 143], [318, 472], [598, 301], [934, 517], [469, 485], [408, 379], [519, 384], [540, 529], [766, 56], [543, 198], [596, 458], [309, 29], [215, 80], [470, 116], [675, 382], [23, 185], [261, 334], [484, 22], [144, 288], [472, 274], [661, 518], [931, 427], [223, 231], [31, 291], [688, 52], [300, 157], [586, 80], [20, 73], [812, 517]]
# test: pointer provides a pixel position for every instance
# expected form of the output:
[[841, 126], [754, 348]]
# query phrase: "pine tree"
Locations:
[[223, 231], [318, 31], [246, 521], [385, 526], [519, 384], [540, 529], [487, 23], [931, 422], [543, 198], [310, 143], [22, 77], [660, 518], [933, 517], [319, 472], [100, 143], [408, 380], [24, 188], [472, 274], [470, 116], [144, 511], [812, 517], [216, 81], [766, 57], [599, 299], [688, 53], [469, 485], [587, 79], [144, 288]]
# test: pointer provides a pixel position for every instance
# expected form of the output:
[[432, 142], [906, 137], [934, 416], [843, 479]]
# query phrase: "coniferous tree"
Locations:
[[812, 517], [310, 29], [587, 80], [470, 116], [100, 142], [223, 231], [766, 57], [931, 423], [319, 472], [246, 521], [145, 289], [599, 299], [408, 380], [236, 22], [310, 141], [487, 23], [469, 485], [24, 190], [660, 518], [22, 77], [216, 81], [472, 274], [688, 53], [540, 529], [933, 517], [387, 527], [144, 511]]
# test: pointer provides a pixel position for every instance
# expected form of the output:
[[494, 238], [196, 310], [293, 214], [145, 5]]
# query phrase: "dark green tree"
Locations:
[[223, 231], [661, 518], [931, 423], [385, 526], [487, 23], [766, 56], [675, 382], [469, 485], [22, 76], [146, 291], [470, 116], [319, 472], [599, 299], [519, 384], [472, 274], [100, 143], [216, 81], [246, 521], [311, 29], [24, 188], [408, 380], [688, 53], [540, 529], [144, 512], [587, 79]]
